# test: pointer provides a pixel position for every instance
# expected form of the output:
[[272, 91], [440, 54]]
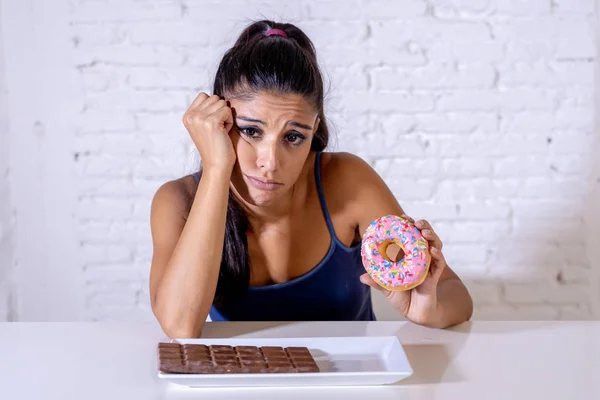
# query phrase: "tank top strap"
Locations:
[[322, 195]]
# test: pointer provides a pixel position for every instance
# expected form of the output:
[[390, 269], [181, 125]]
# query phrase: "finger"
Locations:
[[367, 280], [408, 218], [223, 116], [439, 264], [210, 103], [214, 107], [423, 224], [432, 237], [197, 101]]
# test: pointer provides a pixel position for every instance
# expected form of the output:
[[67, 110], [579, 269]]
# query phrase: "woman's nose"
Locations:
[[268, 157]]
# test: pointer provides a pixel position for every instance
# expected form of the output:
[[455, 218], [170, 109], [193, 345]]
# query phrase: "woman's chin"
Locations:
[[260, 198]]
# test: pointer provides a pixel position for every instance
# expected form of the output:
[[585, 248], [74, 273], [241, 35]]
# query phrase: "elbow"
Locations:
[[176, 331], [173, 324], [177, 328]]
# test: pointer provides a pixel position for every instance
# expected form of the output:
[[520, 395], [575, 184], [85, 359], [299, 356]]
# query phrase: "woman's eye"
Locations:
[[250, 132], [295, 138]]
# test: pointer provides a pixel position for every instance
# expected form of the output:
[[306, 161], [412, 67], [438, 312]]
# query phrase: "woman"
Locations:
[[271, 227]]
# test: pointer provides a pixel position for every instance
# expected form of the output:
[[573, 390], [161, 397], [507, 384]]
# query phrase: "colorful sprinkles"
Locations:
[[406, 273]]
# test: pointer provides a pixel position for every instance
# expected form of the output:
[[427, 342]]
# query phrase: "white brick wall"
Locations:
[[6, 221], [478, 114]]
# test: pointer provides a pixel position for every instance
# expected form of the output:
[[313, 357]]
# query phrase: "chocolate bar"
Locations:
[[178, 358]]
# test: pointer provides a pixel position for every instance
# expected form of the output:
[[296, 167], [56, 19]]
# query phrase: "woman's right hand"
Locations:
[[209, 120]]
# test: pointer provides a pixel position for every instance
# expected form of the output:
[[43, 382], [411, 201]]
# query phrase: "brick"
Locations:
[[431, 211], [520, 99], [426, 31], [485, 145], [468, 231], [576, 96], [138, 101], [573, 7], [101, 274], [331, 10], [104, 209], [484, 292], [169, 34], [568, 164], [128, 55], [547, 231], [467, 100], [482, 210], [522, 29], [574, 118], [398, 166], [113, 232], [462, 9], [480, 77], [523, 8], [529, 51], [111, 299], [518, 166], [147, 78], [332, 33], [467, 253], [575, 273], [574, 313], [583, 47], [537, 293], [99, 80], [560, 188], [114, 11], [540, 209], [93, 121], [93, 34], [102, 254], [411, 55], [484, 53], [466, 167], [388, 9], [169, 124], [466, 189], [350, 78], [410, 189], [386, 102], [379, 146], [550, 75]]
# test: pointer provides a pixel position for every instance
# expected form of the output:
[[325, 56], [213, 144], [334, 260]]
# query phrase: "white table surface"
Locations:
[[476, 360]]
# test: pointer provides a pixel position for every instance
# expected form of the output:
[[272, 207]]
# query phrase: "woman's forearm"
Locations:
[[454, 303], [187, 288]]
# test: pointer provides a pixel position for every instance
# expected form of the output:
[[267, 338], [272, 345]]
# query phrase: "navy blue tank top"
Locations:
[[331, 291]]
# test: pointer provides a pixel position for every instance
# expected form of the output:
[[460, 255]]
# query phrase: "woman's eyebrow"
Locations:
[[258, 121]]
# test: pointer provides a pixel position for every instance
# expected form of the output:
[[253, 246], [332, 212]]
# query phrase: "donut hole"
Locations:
[[392, 251]]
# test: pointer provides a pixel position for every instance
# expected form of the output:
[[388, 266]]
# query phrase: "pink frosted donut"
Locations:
[[406, 273]]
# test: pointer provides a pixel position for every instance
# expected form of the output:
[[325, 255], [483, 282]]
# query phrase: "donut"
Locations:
[[405, 274]]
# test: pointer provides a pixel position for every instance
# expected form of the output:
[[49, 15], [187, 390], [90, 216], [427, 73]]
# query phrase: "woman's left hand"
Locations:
[[420, 304]]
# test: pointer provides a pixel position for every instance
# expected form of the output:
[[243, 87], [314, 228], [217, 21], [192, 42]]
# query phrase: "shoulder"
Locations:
[[174, 197], [355, 186], [349, 172]]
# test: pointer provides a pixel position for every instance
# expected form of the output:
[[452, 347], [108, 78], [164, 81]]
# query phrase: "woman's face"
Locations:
[[272, 135]]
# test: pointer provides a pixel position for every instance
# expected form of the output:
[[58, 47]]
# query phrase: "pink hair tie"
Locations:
[[277, 32]]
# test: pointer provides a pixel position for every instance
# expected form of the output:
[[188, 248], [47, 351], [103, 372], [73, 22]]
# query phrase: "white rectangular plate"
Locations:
[[343, 361]]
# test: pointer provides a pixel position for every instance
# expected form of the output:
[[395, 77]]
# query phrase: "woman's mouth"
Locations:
[[263, 184]]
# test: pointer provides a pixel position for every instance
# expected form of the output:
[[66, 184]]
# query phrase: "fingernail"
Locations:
[[426, 231]]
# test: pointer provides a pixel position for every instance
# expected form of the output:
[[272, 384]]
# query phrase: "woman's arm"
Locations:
[[442, 299], [187, 254]]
